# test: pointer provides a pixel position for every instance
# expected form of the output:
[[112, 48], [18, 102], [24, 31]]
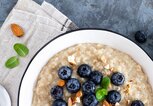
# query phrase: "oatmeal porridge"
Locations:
[[92, 75]]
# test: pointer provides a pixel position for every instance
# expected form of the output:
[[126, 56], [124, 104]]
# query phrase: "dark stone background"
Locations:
[[122, 16]]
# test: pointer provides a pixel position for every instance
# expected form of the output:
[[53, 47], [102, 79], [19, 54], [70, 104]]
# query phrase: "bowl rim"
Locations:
[[79, 29]]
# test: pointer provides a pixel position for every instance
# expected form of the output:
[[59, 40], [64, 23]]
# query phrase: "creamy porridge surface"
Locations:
[[99, 57]]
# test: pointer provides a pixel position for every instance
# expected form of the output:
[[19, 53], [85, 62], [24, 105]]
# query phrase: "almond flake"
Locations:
[[71, 60], [118, 88], [117, 104], [107, 66], [127, 89], [70, 102], [61, 83], [128, 102], [79, 94], [77, 100], [105, 103], [112, 69]]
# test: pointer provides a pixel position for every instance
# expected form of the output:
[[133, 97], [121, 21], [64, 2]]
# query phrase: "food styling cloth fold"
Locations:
[[41, 23]]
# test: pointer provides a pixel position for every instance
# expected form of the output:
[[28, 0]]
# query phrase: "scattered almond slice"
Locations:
[[107, 67], [77, 100], [117, 104], [118, 88], [17, 30], [71, 60], [61, 83], [128, 102], [105, 103], [70, 102], [112, 69], [79, 94], [127, 89]]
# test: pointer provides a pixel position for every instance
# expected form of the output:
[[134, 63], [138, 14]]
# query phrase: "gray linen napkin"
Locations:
[[41, 23]]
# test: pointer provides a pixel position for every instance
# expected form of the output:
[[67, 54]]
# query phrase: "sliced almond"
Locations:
[[17, 30], [112, 69], [105, 103], [107, 67], [71, 60], [61, 83], [70, 103], [128, 102], [79, 94], [118, 88], [77, 100], [127, 89], [117, 104]]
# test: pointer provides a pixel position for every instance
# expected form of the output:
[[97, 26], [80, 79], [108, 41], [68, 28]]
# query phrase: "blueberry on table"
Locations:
[[117, 78], [84, 70], [140, 37], [73, 85], [59, 102], [89, 100], [88, 87], [57, 92], [113, 97], [137, 103], [65, 72], [96, 77]]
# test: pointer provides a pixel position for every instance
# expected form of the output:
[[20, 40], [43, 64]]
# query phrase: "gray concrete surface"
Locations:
[[122, 16]]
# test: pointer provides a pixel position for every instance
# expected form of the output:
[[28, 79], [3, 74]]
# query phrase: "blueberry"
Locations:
[[65, 72], [89, 100], [140, 37], [113, 97], [59, 102], [137, 103], [57, 92], [96, 77], [84, 70], [88, 87], [73, 85], [117, 78]]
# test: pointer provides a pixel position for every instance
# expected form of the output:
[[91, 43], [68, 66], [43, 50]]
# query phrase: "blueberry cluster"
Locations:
[[91, 95]]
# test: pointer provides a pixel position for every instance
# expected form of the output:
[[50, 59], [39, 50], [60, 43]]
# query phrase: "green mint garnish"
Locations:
[[21, 49], [105, 82], [101, 94], [12, 62]]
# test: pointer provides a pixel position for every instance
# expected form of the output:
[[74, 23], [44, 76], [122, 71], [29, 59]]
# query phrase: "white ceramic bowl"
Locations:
[[80, 36]]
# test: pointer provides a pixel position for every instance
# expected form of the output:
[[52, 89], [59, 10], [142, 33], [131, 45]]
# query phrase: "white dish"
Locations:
[[80, 36], [4, 97]]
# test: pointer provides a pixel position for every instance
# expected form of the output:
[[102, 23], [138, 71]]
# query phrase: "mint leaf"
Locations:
[[21, 49], [105, 82], [101, 94], [12, 62]]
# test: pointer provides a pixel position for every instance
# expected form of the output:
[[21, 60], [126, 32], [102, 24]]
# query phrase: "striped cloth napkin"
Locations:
[[41, 23]]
